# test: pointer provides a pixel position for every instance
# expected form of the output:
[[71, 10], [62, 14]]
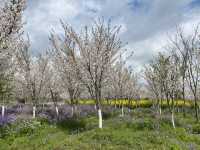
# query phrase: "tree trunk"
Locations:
[[20, 107], [75, 109], [172, 119], [161, 105], [160, 111], [196, 110], [122, 111], [75, 112], [34, 110], [115, 103], [184, 108], [129, 105], [43, 106], [57, 111], [183, 93], [72, 109], [3, 111], [100, 118]]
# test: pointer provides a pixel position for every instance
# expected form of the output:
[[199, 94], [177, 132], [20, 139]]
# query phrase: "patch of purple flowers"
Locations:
[[15, 112], [7, 119]]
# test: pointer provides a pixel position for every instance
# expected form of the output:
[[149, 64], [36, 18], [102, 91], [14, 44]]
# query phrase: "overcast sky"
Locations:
[[145, 23]]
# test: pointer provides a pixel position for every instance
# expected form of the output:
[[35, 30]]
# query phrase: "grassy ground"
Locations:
[[140, 129]]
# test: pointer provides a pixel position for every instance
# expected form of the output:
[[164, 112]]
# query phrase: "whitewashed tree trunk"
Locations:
[[95, 107], [100, 118], [3, 111], [122, 111], [75, 109], [172, 117], [72, 110], [20, 107], [160, 111], [57, 111], [34, 110], [43, 106]]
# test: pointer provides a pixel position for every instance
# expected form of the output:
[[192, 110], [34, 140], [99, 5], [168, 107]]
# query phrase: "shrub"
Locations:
[[196, 129], [72, 125], [19, 128], [141, 125]]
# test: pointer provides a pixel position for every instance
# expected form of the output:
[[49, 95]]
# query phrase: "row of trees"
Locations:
[[91, 64], [175, 74], [86, 64], [81, 65]]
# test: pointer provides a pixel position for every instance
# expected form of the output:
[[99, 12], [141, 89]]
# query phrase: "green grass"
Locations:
[[138, 130]]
